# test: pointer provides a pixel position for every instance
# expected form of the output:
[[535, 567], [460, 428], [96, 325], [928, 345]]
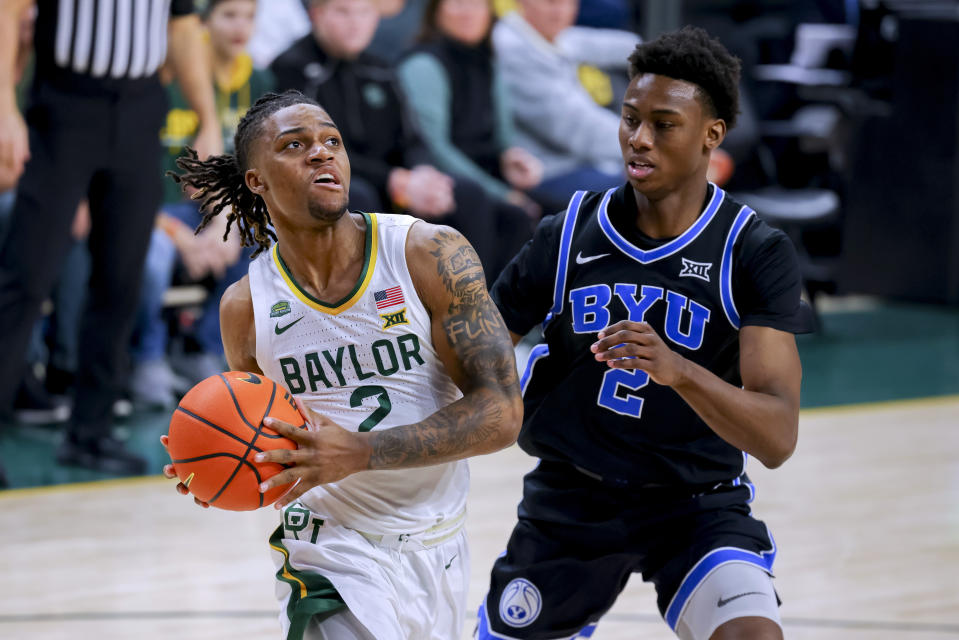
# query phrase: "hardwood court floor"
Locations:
[[866, 517]]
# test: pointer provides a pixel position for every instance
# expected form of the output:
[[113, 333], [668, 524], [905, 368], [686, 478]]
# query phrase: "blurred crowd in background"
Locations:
[[484, 115]]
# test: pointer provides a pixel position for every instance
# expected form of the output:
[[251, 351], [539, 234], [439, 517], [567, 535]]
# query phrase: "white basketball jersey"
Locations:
[[365, 362]]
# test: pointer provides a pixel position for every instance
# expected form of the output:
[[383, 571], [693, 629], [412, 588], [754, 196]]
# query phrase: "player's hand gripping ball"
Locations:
[[218, 428]]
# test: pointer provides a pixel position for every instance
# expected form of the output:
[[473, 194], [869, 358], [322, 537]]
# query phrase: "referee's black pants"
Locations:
[[104, 147]]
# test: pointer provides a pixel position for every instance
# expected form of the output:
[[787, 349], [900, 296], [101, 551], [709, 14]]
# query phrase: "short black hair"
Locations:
[[692, 55], [221, 180]]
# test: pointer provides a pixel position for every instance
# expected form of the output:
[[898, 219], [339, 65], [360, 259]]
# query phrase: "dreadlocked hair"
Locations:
[[220, 180], [690, 54]]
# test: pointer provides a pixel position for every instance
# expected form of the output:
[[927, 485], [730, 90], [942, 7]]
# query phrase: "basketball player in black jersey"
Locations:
[[668, 313]]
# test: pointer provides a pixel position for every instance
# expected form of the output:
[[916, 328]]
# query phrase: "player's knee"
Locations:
[[751, 628], [736, 600]]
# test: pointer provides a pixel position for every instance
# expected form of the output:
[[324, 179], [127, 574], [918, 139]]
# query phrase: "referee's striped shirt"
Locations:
[[111, 40]]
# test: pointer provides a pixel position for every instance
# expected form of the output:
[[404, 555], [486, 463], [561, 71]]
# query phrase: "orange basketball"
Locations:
[[218, 428]]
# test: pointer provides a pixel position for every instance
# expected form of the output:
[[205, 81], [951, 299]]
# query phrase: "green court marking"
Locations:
[[894, 352]]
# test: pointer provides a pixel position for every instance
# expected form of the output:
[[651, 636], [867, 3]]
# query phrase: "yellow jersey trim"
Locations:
[[334, 308], [286, 570]]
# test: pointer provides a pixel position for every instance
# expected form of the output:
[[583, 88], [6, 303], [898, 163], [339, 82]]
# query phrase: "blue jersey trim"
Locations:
[[671, 247], [538, 352], [706, 565], [749, 485], [726, 269], [738, 481], [565, 240]]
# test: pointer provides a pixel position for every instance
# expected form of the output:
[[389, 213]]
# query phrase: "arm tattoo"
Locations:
[[479, 339], [474, 328], [440, 437]]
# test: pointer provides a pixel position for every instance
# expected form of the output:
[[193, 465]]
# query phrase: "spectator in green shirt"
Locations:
[[461, 104]]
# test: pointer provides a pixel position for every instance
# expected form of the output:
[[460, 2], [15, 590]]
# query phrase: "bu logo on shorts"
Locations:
[[520, 603]]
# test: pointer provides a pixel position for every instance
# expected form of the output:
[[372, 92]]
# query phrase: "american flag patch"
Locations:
[[388, 297]]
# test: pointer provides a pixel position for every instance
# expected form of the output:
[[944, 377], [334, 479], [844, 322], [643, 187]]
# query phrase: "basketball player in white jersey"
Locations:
[[381, 327]]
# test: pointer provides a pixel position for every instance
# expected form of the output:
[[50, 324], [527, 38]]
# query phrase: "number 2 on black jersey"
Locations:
[[618, 391]]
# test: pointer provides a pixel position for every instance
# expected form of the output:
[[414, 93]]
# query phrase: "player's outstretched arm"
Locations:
[[761, 418], [472, 341]]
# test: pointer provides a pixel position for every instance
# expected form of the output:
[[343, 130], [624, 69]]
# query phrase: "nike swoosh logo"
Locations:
[[581, 259], [448, 564], [252, 378], [278, 329], [723, 603]]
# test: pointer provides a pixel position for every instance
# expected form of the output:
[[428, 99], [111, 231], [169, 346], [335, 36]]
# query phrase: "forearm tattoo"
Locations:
[[479, 338]]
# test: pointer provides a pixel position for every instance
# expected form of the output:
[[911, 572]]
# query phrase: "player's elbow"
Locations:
[[509, 422], [775, 460], [781, 448], [515, 419]]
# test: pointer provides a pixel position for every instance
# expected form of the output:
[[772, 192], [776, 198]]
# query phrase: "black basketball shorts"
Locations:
[[578, 540]]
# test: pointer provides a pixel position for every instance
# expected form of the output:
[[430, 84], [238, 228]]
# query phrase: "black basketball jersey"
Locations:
[[590, 267]]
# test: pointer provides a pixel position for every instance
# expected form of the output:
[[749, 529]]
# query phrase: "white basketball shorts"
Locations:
[[394, 587]]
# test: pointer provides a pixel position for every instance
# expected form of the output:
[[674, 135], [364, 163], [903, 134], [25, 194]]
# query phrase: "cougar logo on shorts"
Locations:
[[520, 603]]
